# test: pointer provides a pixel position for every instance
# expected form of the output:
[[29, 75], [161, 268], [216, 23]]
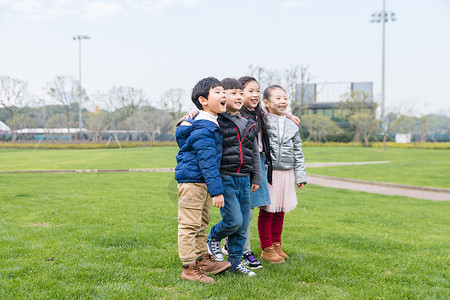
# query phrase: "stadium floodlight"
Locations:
[[383, 17], [79, 38]]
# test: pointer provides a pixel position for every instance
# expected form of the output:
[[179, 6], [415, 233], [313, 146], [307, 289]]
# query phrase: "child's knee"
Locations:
[[234, 223]]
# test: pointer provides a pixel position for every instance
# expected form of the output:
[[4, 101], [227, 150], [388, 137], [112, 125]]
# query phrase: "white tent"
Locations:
[[4, 128]]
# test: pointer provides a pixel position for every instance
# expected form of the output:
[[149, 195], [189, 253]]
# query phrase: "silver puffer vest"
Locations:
[[286, 150]]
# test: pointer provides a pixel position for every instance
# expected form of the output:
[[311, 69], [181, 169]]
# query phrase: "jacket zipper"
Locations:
[[279, 141], [240, 146]]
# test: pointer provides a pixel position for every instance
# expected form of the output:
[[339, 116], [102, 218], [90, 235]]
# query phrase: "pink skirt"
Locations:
[[282, 191]]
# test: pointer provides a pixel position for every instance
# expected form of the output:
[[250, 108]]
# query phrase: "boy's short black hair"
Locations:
[[231, 84], [201, 89]]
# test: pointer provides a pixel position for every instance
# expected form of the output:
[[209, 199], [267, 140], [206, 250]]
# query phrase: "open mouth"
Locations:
[[223, 102]]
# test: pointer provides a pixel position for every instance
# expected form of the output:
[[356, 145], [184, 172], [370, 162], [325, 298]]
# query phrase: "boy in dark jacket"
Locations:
[[240, 173], [199, 182]]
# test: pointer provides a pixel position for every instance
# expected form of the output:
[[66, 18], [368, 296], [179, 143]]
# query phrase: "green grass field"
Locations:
[[127, 158], [408, 166], [419, 167], [113, 236]]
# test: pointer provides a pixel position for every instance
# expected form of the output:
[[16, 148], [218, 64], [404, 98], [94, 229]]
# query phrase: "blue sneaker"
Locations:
[[238, 267], [214, 248], [225, 248], [243, 270]]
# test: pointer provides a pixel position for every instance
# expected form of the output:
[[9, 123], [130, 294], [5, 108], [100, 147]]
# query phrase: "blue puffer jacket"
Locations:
[[200, 153]]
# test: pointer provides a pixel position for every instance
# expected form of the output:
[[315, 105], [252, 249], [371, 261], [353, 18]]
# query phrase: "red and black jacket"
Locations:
[[237, 145]]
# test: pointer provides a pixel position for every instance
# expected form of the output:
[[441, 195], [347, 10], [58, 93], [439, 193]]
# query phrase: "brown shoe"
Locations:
[[269, 254], [211, 266], [194, 272], [279, 251]]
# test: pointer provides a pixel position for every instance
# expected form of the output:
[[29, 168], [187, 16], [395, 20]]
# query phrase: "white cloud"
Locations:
[[189, 2], [289, 4], [99, 10], [40, 10], [5, 2], [155, 7], [25, 6], [91, 10], [62, 8]]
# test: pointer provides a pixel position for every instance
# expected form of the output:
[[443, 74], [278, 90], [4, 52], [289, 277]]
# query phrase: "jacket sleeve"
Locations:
[[204, 144], [256, 176], [299, 159]]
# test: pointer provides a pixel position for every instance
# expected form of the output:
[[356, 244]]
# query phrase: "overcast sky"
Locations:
[[159, 44]]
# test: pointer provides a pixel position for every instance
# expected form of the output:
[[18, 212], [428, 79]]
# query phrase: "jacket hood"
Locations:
[[183, 131]]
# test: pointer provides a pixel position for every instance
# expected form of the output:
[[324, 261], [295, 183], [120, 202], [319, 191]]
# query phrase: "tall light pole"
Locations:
[[79, 38], [383, 17]]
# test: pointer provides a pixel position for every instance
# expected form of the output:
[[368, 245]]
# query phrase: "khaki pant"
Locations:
[[193, 218]]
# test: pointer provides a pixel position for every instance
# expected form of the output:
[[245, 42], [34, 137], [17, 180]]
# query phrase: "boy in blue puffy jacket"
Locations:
[[199, 180]]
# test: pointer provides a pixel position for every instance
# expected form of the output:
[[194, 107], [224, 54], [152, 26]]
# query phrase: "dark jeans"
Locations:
[[235, 214]]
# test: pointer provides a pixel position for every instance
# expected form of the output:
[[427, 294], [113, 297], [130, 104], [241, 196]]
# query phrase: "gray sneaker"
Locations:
[[214, 249], [241, 269], [225, 248]]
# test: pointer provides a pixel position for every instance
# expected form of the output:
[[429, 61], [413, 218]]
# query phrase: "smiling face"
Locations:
[[216, 102], [277, 102], [251, 94], [235, 100]]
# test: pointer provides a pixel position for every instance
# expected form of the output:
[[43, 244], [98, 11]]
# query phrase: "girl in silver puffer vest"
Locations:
[[288, 166]]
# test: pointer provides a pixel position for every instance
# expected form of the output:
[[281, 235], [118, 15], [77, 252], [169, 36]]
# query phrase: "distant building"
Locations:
[[403, 138], [5, 132], [4, 129], [326, 98]]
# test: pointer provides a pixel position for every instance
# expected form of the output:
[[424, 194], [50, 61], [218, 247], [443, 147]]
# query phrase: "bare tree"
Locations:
[[12, 95], [365, 124], [298, 75], [41, 113], [172, 101], [354, 102], [126, 101], [66, 91], [288, 78], [127, 98], [397, 119], [319, 126], [97, 122], [438, 124], [57, 121], [266, 77]]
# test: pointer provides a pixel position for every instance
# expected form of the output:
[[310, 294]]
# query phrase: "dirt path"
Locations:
[[374, 187], [383, 188]]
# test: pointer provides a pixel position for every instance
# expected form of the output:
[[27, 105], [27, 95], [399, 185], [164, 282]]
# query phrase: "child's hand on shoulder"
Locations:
[[191, 114], [218, 201], [254, 187], [300, 185], [295, 119]]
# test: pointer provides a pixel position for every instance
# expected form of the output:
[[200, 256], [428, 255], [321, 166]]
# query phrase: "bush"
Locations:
[[380, 145], [343, 137], [85, 145]]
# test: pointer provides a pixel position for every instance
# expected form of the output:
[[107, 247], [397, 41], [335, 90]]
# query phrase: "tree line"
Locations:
[[128, 110], [130, 113]]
